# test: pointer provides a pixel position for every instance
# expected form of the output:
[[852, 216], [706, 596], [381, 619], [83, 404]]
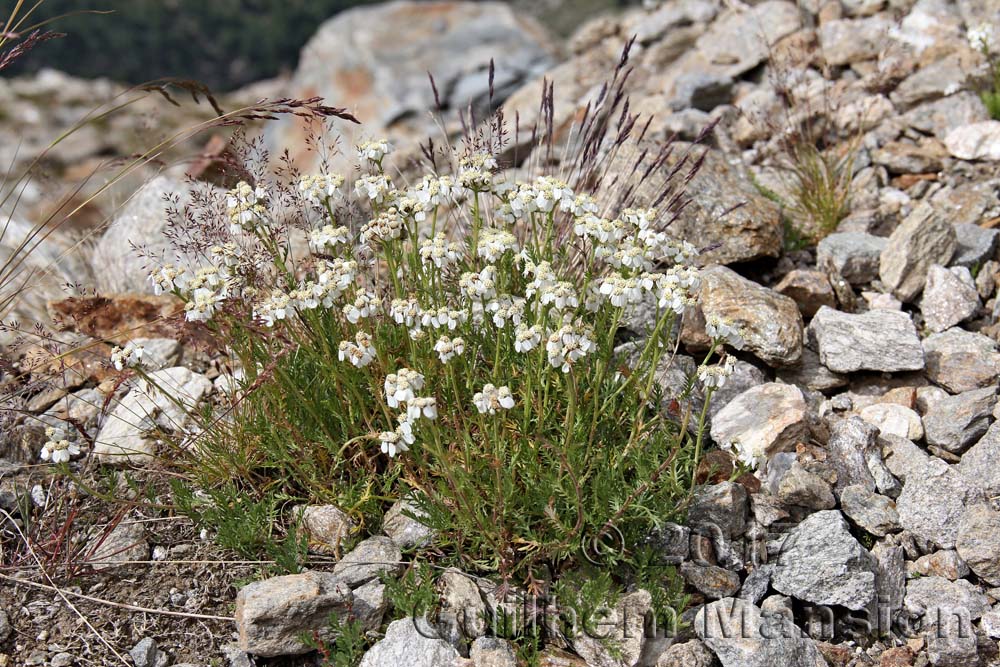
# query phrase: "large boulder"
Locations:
[[374, 61]]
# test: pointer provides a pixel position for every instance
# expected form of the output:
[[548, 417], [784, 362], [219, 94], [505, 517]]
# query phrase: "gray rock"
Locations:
[[847, 41], [933, 501], [990, 623], [164, 401], [5, 628], [771, 323], [890, 580], [925, 594], [961, 361], [811, 374], [921, 240], [144, 653], [412, 642], [949, 297], [951, 640], [872, 512], [374, 61], [879, 340], [975, 245], [977, 141], [692, 653], [800, 487], [853, 255], [368, 560], [745, 376], [954, 423], [462, 612], [671, 542], [764, 420], [941, 116], [821, 562], [729, 44], [809, 289], [126, 542], [402, 525], [741, 636], [722, 506], [273, 614], [979, 542], [159, 353], [978, 466], [894, 419], [492, 652], [370, 604], [945, 563], [757, 583], [852, 440], [711, 581], [932, 81], [622, 633], [326, 527]]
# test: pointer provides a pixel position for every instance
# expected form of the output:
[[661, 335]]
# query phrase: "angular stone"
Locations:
[[852, 441], [163, 401], [821, 562], [273, 614], [671, 542], [932, 81], [890, 579], [462, 611], [975, 245], [370, 604], [879, 340], [412, 642], [692, 653], [492, 652], [741, 636], [949, 297], [945, 563], [809, 290], [622, 633], [848, 41], [802, 488], [403, 528], [745, 376], [941, 116], [762, 421], [960, 360], [978, 466], [925, 594], [711, 581], [811, 374], [730, 45], [771, 323], [920, 241], [126, 542], [722, 506], [368, 560], [979, 542], [326, 527], [977, 141], [954, 423], [853, 255], [894, 419], [903, 157], [933, 501], [872, 512]]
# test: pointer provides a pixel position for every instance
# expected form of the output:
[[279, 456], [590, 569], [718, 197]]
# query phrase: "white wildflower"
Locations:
[[387, 226], [493, 243], [440, 252], [203, 304], [723, 330], [400, 387], [360, 353], [245, 204], [365, 305], [373, 151], [376, 187], [621, 291], [58, 448], [168, 278], [276, 307], [567, 345], [392, 443], [492, 398], [714, 377], [327, 238], [506, 308], [405, 311], [447, 348], [562, 295], [425, 406], [318, 188], [479, 285], [527, 338], [128, 356], [981, 37]]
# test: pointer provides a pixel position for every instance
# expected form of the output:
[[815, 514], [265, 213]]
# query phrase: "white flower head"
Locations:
[[567, 345], [723, 330], [373, 151], [318, 188], [714, 377], [327, 238], [527, 338], [493, 243], [981, 37], [448, 348], [422, 406], [360, 353], [439, 251], [365, 305], [401, 386], [129, 356], [246, 206], [492, 398], [58, 448]]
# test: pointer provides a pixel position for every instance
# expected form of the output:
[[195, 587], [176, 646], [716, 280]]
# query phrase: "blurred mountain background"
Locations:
[[224, 44]]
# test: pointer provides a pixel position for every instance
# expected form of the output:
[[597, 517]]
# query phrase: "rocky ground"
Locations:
[[869, 535]]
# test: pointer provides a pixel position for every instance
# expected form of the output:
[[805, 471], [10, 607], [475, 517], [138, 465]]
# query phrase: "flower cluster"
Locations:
[[527, 289], [128, 356], [58, 448]]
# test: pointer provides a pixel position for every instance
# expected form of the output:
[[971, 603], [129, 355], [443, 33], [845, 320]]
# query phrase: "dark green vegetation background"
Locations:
[[222, 43]]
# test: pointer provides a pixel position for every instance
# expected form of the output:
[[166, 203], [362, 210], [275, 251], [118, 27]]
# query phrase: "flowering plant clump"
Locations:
[[985, 39], [459, 341]]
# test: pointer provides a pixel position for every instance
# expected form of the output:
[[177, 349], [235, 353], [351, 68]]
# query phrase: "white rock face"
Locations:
[[762, 421], [976, 141], [894, 419], [411, 642], [151, 405]]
